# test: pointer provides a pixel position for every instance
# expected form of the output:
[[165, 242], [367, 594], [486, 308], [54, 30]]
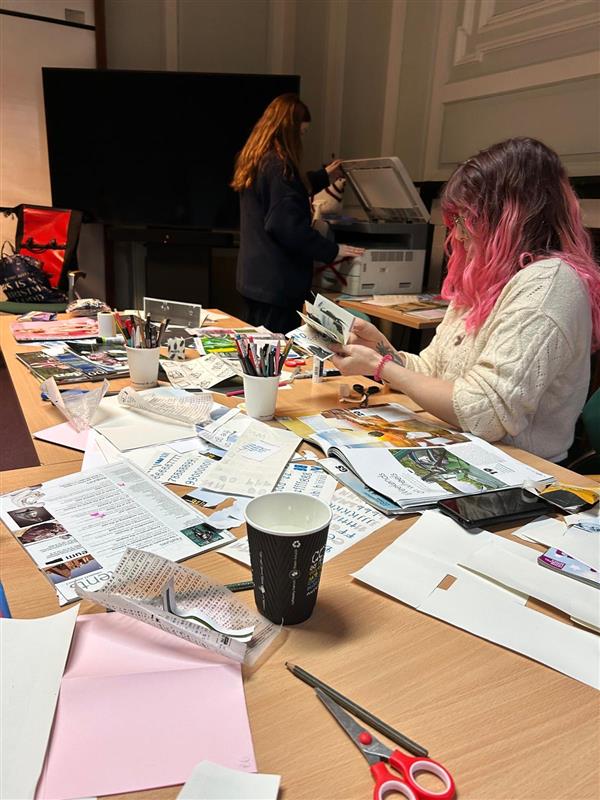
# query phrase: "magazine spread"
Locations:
[[71, 366], [77, 528], [326, 324], [407, 459]]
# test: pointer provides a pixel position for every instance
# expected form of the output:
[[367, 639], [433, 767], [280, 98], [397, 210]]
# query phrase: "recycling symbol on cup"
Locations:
[[296, 543]]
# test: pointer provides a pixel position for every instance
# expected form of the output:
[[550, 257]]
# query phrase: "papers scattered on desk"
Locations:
[[137, 710], [413, 566], [33, 657], [127, 431], [253, 465], [183, 469], [212, 782], [78, 409], [185, 603], [193, 409], [76, 528], [224, 431], [307, 479], [351, 521], [203, 372]]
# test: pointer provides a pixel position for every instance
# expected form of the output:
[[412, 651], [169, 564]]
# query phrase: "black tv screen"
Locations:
[[151, 148]]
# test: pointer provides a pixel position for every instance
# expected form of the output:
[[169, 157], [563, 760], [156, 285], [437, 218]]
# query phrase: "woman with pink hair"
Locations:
[[511, 360]]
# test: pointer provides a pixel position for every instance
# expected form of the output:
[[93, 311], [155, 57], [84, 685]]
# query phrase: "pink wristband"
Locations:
[[384, 360]]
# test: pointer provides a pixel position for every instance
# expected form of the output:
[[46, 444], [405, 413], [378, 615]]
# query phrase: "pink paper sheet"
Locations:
[[138, 708]]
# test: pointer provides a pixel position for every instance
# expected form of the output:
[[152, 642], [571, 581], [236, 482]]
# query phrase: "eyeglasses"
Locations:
[[363, 392]]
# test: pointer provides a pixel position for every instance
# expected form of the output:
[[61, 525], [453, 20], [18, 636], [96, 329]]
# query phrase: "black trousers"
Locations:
[[275, 318]]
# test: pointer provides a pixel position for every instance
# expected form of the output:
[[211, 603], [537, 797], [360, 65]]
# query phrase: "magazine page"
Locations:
[[253, 465], [386, 426], [76, 528], [413, 476]]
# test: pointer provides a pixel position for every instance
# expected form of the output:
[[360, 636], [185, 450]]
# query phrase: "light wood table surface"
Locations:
[[505, 726], [390, 314]]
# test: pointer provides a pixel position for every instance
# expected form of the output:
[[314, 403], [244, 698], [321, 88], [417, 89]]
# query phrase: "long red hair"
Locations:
[[277, 131], [517, 205]]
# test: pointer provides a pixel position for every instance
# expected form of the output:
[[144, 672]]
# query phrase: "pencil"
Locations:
[[358, 711]]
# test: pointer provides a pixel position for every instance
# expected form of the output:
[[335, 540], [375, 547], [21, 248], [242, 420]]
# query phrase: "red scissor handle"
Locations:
[[388, 783], [409, 767]]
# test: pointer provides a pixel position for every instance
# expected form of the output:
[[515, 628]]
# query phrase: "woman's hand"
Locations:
[[334, 170], [367, 335], [348, 251], [354, 359]]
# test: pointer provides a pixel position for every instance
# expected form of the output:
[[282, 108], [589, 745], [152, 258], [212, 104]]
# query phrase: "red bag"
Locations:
[[50, 235]]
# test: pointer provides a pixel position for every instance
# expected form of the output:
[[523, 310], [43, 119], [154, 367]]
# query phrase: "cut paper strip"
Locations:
[[516, 566], [137, 708], [29, 689], [65, 435], [487, 614], [212, 782]]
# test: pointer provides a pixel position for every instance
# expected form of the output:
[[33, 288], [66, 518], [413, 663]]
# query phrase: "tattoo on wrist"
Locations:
[[385, 350]]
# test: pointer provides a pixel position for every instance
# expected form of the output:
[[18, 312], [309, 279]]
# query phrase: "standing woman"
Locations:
[[277, 243], [510, 361]]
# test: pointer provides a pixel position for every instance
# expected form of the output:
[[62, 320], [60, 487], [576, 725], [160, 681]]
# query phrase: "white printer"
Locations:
[[394, 234]]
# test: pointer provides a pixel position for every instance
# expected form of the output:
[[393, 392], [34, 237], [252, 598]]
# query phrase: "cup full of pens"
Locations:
[[261, 364], [142, 344]]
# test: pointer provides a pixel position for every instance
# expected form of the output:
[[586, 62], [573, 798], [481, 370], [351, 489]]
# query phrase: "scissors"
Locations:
[[376, 753], [295, 362]]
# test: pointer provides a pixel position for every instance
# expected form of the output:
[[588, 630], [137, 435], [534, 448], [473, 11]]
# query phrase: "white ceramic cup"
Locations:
[[143, 366], [260, 396], [106, 324]]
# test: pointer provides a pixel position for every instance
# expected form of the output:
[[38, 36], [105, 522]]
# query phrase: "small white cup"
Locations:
[[260, 396], [106, 324], [143, 366]]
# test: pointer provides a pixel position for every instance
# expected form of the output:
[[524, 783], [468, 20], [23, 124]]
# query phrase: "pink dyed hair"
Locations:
[[518, 206]]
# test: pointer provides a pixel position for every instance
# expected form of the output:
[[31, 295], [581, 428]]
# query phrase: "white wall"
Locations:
[[26, 46], [429, 80]]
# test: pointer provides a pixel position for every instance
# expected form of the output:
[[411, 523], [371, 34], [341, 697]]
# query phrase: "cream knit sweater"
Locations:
[[523, 377]]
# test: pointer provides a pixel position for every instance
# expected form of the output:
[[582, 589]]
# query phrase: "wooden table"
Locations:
[[507, 727], [389, 316]]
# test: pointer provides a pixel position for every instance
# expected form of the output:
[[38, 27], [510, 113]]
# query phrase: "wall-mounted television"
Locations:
[[151, 148]]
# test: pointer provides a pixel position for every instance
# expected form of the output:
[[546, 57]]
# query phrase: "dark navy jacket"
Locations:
[[277, 243]]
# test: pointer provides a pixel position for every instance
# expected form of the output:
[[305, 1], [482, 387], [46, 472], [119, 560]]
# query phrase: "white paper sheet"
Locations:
[[238, 474], [127, 430], [488, 614], [210, 781], [64, 435], [93, 455], [579, 543], [203, 372], [516, 566], [33, 654], [307, 479], [182, 469], [411, 568], [191, 409]]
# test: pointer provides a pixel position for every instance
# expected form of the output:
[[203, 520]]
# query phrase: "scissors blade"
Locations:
[[372, 749]]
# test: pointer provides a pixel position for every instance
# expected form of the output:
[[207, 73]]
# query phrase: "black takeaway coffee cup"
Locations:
[[287, 534]]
